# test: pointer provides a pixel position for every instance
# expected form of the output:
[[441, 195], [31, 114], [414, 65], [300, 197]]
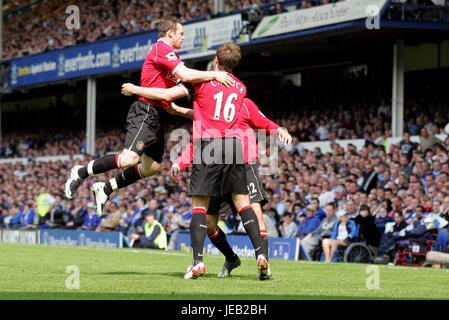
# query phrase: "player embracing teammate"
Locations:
[[218, 163], [250, 118], [144, 143], [223, 122]]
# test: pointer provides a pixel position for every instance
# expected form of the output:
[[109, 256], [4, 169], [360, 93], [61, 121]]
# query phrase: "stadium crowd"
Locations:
[[311, 123], [309, 194], [42, 26]]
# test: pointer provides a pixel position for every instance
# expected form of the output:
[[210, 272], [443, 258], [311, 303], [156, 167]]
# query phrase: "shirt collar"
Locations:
[[168, 44]]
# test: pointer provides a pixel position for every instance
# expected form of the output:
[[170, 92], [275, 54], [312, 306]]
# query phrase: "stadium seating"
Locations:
[[46, 29]]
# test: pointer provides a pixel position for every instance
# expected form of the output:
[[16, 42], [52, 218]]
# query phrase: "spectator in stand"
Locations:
[[277, 8], [153, 235], [91, 221], [369, 177], [270, 225], [320, 213], [350, 209], [407, 146], [27, 220], [78, 212], [174, 223], [137, 218], [428, 141], [389, 239], [324, 231], [309, 222], [367, 227], [345, 231], [111, 219], [288, 228], [153, 207]]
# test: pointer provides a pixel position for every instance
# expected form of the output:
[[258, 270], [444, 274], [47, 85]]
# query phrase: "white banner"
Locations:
[[200, 37], [318, 16], [19, 236]]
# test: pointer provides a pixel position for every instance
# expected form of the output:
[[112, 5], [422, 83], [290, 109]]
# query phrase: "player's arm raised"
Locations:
[[186, 74], [159, 94]]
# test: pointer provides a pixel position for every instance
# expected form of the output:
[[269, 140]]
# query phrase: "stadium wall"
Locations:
[[279, 248]]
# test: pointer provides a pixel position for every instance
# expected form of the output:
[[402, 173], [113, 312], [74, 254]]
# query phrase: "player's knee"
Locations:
[[128, 159], [240, 201], [151, 169], [211, 227]]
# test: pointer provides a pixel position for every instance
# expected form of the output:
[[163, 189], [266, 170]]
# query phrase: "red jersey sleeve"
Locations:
[[186, 157], [256, 118], [166, 57]]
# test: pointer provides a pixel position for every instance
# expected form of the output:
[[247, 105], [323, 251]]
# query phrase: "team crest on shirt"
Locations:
[[171, 56], [140, 145]]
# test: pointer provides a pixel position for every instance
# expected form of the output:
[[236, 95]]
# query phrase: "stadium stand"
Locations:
[[40, 27], [405, 181]]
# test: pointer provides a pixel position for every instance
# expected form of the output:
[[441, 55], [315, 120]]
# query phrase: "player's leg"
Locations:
[[250, 222], [145, 139], [264, 238], [218, 237], [128, 157], [101, 165], [234, 182], [198, 230], [263, 232], [258, 199], [205, 181], [130, 175]]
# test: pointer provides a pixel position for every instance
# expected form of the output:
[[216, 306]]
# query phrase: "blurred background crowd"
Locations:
[[41, 26]]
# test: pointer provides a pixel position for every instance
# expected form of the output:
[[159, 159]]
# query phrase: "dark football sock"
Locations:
[[218, 239], [198, 230], [264, 236], [100, 165], [123, 179], [251, 226]]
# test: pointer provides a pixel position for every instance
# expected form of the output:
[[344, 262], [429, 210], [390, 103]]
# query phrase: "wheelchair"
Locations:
[[412, 252], [356, 252]]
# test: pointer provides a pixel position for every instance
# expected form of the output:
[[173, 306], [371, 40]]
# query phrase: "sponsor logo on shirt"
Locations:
[[171, 56]]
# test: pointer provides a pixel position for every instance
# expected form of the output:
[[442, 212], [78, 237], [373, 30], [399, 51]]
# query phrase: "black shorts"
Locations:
[[145, 135], [255, 187], [222, 173], [224, 205]]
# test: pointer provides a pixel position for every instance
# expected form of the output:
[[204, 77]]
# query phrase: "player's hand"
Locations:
[[174, 171], [284, 137], [128, 89], [225, 78]]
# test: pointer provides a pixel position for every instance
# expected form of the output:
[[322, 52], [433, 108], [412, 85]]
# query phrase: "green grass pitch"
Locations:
[[39, 272]]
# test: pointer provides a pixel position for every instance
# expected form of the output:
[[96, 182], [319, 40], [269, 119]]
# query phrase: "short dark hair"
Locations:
[[229, 56], [364, 207], [166, 25], [331, 204], [288, 214]]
